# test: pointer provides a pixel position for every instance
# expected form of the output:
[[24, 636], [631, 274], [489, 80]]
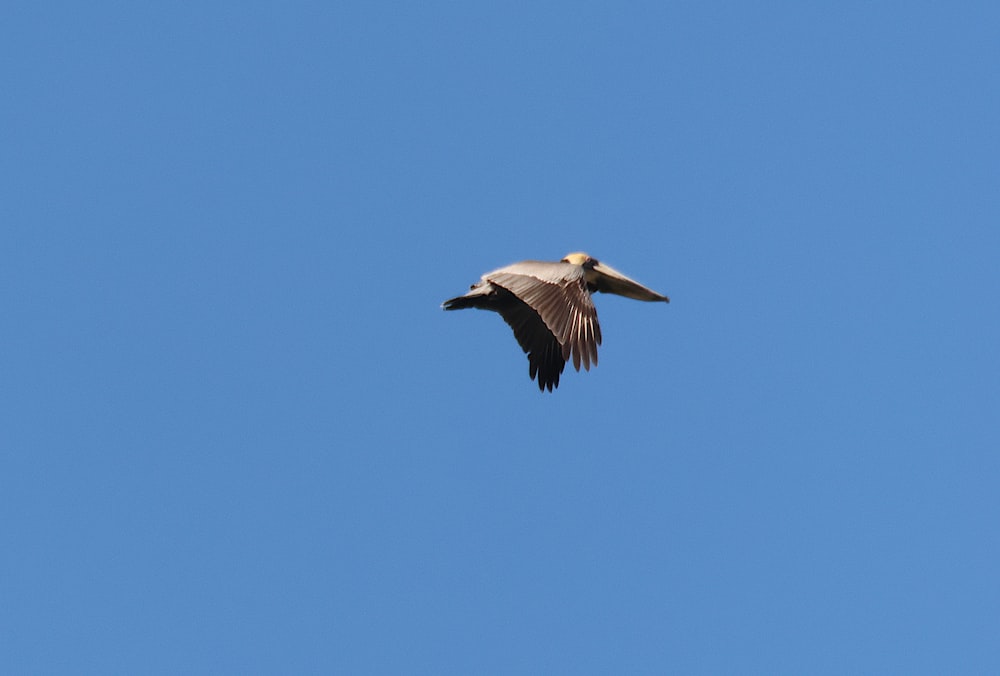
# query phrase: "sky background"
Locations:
[[239, 435]]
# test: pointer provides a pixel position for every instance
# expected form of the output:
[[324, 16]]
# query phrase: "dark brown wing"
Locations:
[[557, 292], [545, 355]]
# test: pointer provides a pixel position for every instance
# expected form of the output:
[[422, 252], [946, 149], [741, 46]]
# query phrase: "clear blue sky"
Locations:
[[239, 435]]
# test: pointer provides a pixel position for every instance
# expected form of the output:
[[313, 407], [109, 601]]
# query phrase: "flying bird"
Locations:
[[549, 307]]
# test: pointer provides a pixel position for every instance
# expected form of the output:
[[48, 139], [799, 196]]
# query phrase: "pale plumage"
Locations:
[[548, 306]]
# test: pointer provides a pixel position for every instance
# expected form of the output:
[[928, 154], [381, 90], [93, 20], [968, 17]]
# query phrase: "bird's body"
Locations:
[[548, 306]]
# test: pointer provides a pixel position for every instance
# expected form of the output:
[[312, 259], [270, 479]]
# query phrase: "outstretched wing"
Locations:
[[545, 354], [557, 292]]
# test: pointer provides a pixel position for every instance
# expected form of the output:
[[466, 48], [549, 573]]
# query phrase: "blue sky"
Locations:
[[239, 435]]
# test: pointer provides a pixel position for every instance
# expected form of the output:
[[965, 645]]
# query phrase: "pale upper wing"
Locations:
[[558, 293]]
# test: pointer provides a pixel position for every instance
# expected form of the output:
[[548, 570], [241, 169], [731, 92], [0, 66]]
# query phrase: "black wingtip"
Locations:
[[550, 383]]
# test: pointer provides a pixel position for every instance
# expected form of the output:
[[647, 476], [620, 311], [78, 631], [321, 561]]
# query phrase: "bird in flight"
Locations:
[[549, 307]]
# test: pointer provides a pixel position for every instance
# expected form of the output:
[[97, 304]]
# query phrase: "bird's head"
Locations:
[[579, 258], [606, 279]]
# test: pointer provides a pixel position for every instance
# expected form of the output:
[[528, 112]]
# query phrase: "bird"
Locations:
[[549, 307]]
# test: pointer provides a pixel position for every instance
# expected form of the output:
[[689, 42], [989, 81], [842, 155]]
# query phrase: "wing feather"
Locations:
[[557, 292], [545, 360]]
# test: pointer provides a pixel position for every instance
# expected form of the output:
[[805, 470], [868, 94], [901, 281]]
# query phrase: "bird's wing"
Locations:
[[545, 354], [558, 293]]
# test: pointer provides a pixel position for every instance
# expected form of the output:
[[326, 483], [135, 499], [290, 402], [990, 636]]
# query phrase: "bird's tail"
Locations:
[[461, 302], [475, 298]]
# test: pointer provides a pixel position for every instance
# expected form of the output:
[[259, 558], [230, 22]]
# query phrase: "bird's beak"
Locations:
[[609, 280]]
